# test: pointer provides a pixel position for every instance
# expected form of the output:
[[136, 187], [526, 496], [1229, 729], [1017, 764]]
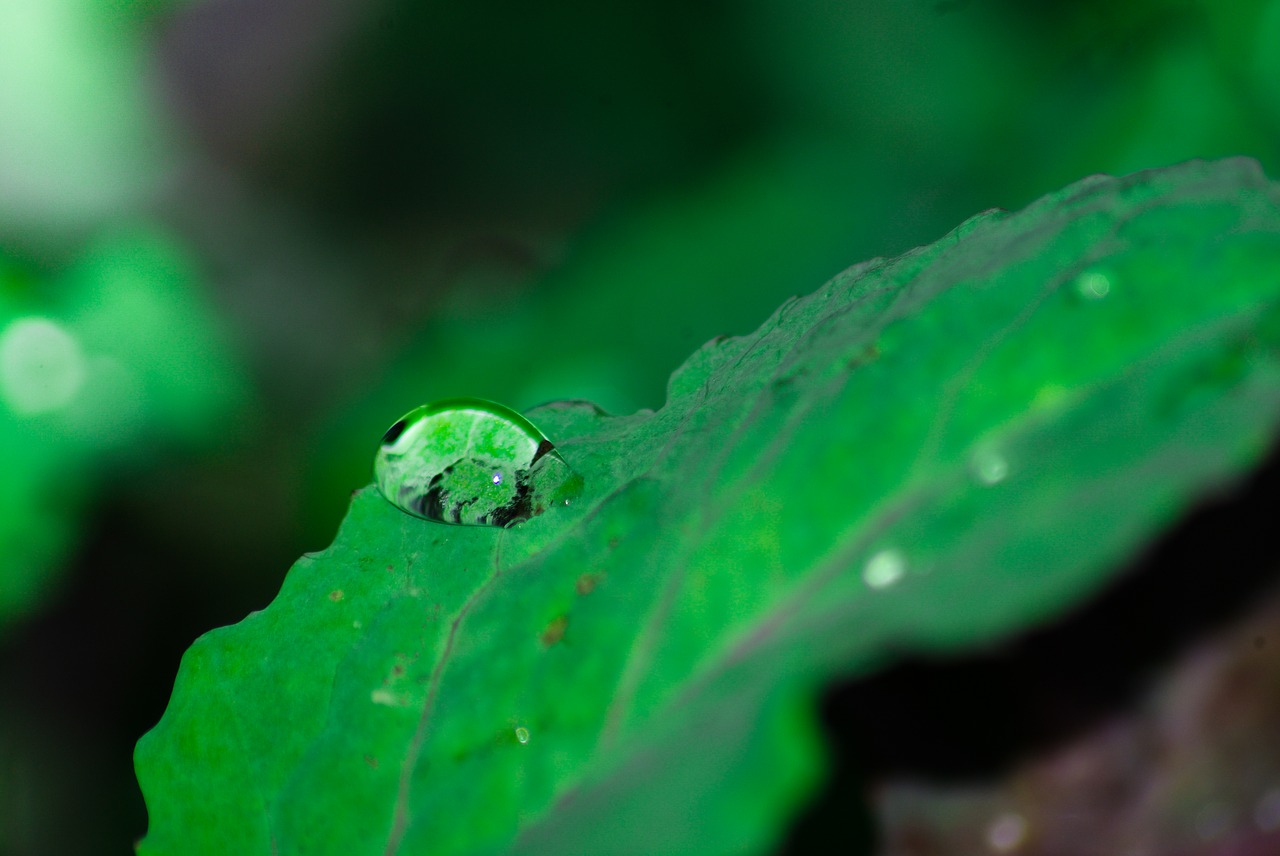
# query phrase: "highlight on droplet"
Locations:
[[884, 569], [42, 366], [522, 735]]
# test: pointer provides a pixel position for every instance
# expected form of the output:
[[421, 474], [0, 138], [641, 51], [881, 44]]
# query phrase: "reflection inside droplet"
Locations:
[[884, 569], [41, 366], [522, 735], [471, 462]]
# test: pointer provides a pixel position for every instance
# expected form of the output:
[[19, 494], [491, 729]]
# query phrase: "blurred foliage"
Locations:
[[635, 673], [284, 224], [100, 368]]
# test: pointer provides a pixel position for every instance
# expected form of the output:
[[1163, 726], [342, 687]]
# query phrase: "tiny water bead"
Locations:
[[988, 465], [884, 569], [1093, 285], [472, 462], [522, 735]]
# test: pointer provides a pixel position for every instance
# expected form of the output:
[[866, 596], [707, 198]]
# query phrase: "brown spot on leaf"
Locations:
[[336, 595], [371, 761], [587, 583], [867, 355], [554, 631]]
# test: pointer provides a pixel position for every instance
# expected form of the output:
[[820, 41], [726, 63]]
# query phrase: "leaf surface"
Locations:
[[926, 453]]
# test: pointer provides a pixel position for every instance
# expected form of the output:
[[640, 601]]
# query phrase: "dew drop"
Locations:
[[522, 735], [1093, 285], [472, 462], [989, 466], [884, 569]]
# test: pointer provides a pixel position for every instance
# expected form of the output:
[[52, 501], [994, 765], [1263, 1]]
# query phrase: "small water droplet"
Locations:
[[1007, 832], [387, 698], [1266, 814], [989, 466], [1093, 285], [884, 569], [522, 735], [473, 462], [42, 366]]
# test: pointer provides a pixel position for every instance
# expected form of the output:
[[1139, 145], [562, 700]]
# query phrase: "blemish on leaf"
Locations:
[[554, 630], [336, 595], [866, 355], [587, 583], [371, 761]]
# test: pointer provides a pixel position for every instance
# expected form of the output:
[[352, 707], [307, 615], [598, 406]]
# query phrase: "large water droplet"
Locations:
[[474, 462]]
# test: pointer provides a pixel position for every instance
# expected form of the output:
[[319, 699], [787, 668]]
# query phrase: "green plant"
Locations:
[[927, 453]]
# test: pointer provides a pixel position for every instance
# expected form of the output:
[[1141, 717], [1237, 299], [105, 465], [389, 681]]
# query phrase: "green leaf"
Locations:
[[926, 453]]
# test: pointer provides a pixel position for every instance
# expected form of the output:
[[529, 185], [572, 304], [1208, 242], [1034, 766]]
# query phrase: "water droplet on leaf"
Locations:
[[522, 734], [989, 466], [884, 569], [1093, 285], [474, 462]]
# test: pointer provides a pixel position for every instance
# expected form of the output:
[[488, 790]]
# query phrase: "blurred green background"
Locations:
[[238, 239]]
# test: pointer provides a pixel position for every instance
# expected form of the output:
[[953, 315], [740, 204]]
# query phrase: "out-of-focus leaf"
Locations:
[[925, 453], [119, 355], [81, 137]]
